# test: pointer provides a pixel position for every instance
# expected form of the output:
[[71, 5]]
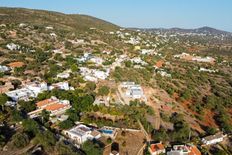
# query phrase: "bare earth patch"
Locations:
[[130, 144]]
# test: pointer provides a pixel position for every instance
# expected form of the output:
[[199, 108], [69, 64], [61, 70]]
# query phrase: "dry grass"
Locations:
[[133, 141]]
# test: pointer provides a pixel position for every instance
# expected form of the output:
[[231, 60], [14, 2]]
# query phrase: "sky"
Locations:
[[142, 13]]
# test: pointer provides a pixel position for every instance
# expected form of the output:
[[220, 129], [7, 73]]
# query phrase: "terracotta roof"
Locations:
[[44, 102], [194, 151], [16, 64], [159, 63], [55, 106], [156, 147]]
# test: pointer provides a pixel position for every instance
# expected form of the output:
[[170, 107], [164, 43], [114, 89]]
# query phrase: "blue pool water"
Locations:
[[107, 131]]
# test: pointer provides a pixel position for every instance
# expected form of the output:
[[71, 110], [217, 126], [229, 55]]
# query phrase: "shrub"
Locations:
[[20, 140]]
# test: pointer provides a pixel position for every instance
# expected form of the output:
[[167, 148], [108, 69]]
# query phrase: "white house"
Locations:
[[184, 150], [182, 55], [127, 84], [81, 134], [4, 68], [58, 51], [21, 94], [64, 75], [206, 70], [138, 60], [22, 25], [135, 92], [94, 74], [206, 59], [90, 78], [13, 47], [147, 51], [60, 85], [101, 101], [97, 60], [29, 91], [164, 73], [87, 56], [213, 139], [37, 87], [53, 35], [49, 28], [101, 74]]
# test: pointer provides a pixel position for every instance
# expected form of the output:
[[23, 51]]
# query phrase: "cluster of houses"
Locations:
[[27, 92], [187, 149], [118, 61], [84, 58], [138, 60], [133, 41], [138, 40], [19, 48], [89, 57], [33, 89], [148, 52], [13, 47], [94, 74], [189, 57]]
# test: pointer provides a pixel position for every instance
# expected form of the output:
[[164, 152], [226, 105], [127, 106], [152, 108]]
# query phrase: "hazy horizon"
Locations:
[[137, 14]]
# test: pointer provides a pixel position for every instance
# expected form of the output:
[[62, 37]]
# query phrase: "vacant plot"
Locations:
[[130, 142]]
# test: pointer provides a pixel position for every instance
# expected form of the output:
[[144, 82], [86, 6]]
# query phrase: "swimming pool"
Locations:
[[107, 131]]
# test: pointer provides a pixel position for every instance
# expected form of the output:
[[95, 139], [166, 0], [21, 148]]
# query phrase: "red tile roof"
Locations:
[[194, 151], [159, 63], [16, 64], [44, 102], [156, 147], [55, 106]]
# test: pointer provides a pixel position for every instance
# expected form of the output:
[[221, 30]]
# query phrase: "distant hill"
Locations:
[[69, 21], [202, 30]]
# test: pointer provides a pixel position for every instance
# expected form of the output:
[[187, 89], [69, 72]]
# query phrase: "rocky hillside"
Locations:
[[40, 17]]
